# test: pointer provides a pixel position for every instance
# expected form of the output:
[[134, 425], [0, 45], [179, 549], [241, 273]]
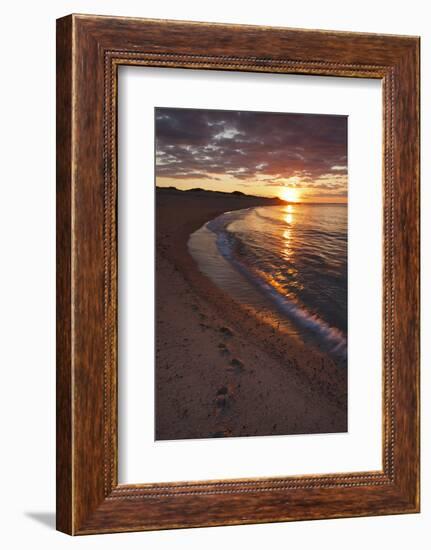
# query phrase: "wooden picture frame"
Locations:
[[89, 52]]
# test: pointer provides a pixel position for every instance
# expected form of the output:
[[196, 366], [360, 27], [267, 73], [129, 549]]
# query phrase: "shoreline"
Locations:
[[220, 369], [233, 278]]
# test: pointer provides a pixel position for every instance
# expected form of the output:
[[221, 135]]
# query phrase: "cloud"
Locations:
[[268, 148]]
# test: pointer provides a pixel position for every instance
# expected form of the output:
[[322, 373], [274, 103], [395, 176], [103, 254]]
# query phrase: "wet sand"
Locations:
[[222, 370]]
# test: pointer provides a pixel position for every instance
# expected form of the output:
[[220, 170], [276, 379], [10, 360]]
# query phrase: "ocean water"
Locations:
[[286, 262]]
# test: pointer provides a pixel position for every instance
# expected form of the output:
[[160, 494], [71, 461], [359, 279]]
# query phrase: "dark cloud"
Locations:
[[248, 145]]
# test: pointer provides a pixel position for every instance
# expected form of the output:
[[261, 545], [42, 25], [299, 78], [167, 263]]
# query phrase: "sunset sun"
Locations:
[[289, 194]]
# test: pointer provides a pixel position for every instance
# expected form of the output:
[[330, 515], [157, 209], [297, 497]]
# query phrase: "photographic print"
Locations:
[[251, 273]]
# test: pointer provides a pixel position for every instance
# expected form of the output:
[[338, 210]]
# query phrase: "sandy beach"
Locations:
[[219, 370]]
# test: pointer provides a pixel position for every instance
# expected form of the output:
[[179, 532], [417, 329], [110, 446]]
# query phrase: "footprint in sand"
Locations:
[[236, 366], [222, 398], [226, 331], [218, 434], [224, 350], [222, 433]]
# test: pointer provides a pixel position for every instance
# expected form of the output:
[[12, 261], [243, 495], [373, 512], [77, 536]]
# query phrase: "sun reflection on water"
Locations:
[[288, 217]]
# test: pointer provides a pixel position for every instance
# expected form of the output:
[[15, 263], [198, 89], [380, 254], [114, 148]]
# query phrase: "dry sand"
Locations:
[[221, 371]]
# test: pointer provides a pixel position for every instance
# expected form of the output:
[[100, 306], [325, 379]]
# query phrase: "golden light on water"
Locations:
[[290, 194], [287, 233], [288, 211]]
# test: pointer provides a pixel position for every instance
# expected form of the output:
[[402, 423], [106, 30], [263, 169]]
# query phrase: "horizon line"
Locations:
[[241, 193]]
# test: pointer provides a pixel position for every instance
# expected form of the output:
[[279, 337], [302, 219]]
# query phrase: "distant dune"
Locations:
[[198, 191]]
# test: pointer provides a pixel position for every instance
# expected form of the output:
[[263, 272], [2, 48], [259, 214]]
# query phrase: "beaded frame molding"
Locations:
[[89, 51]]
